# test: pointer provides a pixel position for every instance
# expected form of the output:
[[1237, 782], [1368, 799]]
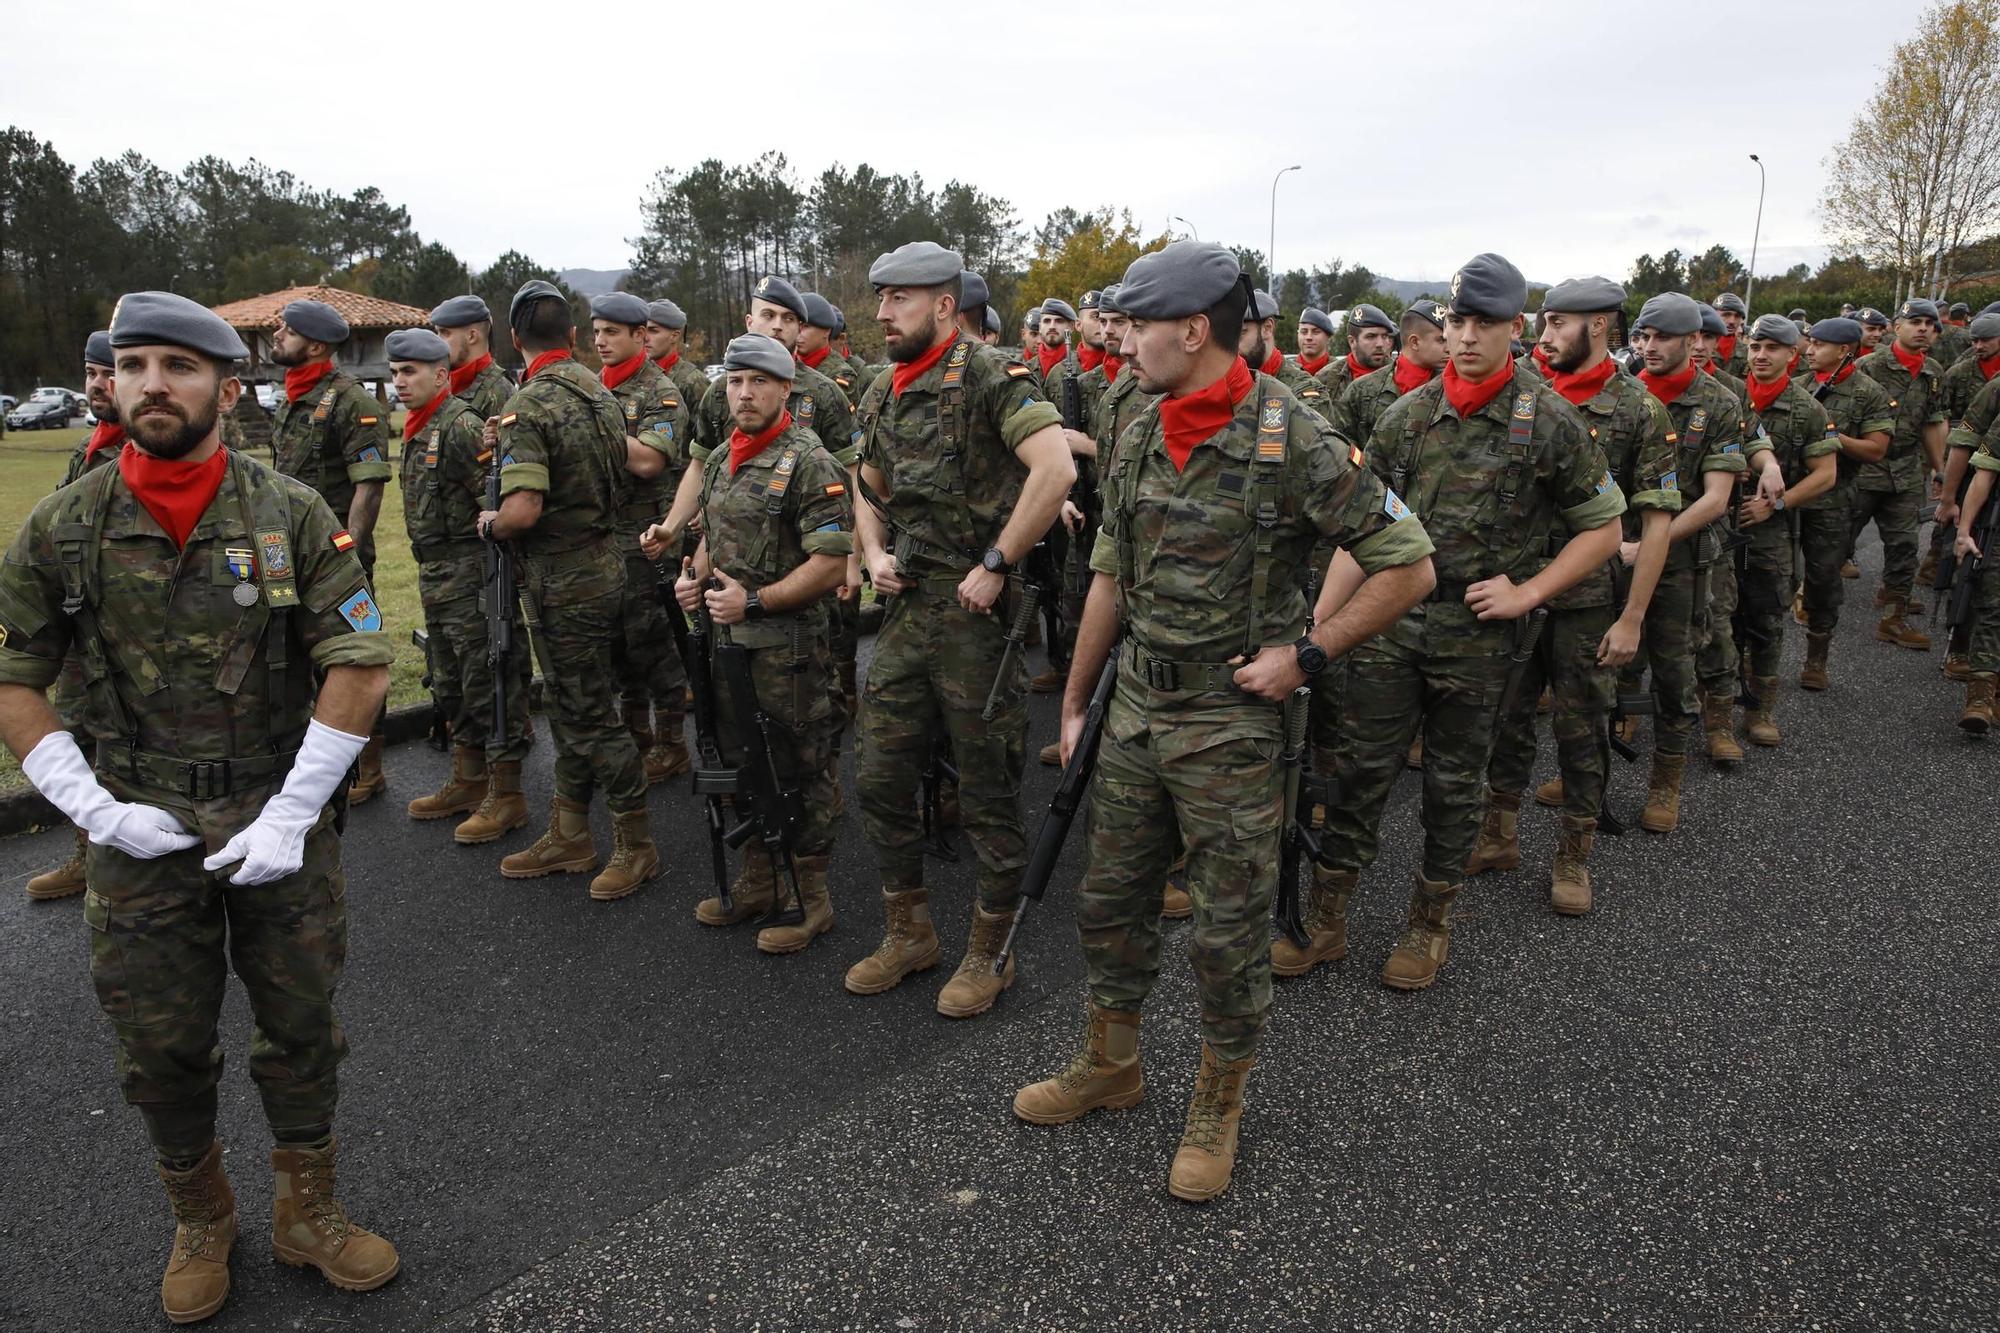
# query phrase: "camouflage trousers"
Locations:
[[934, 663], [453, 597], [1565, 661], [844, 637], [1894, 514], [1766, 594], [580, 598], [1210, 781], [1715, 639], [650, 673], [1666, 648], [1824, 531], [164, 935], [1983, 654], [792, 691], [1396, 688]]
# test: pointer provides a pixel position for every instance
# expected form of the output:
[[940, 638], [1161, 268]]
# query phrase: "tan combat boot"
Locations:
[[1415, 961], [1326, 925], [1499, 845], [1663, 794], [1718, 724], [1762, 726], [1957, 667], [973, 988], [667, 757], [197, 1277], [1894, 629], [819, 910], [66, 878], [634, 859], [1207, 1154], [1569, 886], [1927, 568], [1977, 719], [909, 944], [1813, 675], [566, 848], [1415, 757], [1103, 1076], [1050, 754], [1799, 615], [1049, 682], [369, 779], [462, 791], [1552, 793], [1176, 904], [751, 894], [1849, 570], [309, 1228], [503, 810]]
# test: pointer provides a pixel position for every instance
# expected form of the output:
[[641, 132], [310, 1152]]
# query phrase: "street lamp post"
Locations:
[[1175, 217], [1271, 254], [1750, 280]]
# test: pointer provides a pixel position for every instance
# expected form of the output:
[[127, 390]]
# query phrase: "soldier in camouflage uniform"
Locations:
[[1732, 352], [1982, 686], [815, 348], [1492, 459], [1214, 616], [1417, 361], [564, 457], [776, 535], [1891, 493], [1052, 339], [651, 677], [1078, 407], [1860, 413], [969, 467], [1258, 345], [666, 325], [1954, 336], [777, 310], [333, 435], [231, 653], [466, 326], [1971, 403], [1315, 339], [1371, 338], [1594, 628], [1706, 352], [444, 488], [817, 352]]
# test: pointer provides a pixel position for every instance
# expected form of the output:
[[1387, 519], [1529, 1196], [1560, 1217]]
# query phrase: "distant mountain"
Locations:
[[592, 281]]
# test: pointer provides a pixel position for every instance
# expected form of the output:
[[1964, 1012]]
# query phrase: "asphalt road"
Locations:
[[1754, 1088]]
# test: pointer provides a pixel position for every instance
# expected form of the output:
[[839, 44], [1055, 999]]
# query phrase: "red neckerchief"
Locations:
[[463, 376], [1911, 361], [814, 358], [174, 491], [1468, 396], [543, 362], [1580, 386], [1273, 363], [1355, 370], [669, 361], [105, 435], [1725, 347], [1089, 358], [1990, 367], [1763, 395], [302, 380], [743, 448], [1313, 365], [1114, 364], [420, 417], [1189, 420], [1669, 388], [1823, 375], [615, 375], [1408, 375], [1048, 356], [905, 373]]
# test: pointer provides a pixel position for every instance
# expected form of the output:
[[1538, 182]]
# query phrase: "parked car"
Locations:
[[8, 402], [40, 414]]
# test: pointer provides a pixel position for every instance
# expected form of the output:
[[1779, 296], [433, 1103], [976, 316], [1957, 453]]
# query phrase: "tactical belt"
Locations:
[[197, 779], [448, 550], [1161, 674], [1448, 592], [554, 562]]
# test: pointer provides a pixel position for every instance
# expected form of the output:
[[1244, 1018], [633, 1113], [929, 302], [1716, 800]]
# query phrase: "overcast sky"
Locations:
[[1568, 136]]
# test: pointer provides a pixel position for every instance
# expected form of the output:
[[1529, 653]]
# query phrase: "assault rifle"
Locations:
[[501, 591], [939, 768], [1623, 706], [439, 732], [714, 780], [769, 801], [1299, 851], [1745, 632], [1965, 578], [1026, 597]]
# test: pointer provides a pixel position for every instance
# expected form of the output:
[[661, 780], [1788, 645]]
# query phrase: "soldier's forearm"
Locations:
[[1647, 568], [1957, 463], [817, 577], [1095, 634], [1935, 435], [1343, 576], [1819, 479], [1586, 551], [25, 718], [350, 697], [1714, 501], [364, 509], [1051, 472], [1968, 514], [1376, 604]]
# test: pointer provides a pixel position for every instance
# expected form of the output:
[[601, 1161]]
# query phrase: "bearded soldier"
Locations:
[[1890, 493], [466, 326], [1416, 363], [1371, 337], [1731, 353]]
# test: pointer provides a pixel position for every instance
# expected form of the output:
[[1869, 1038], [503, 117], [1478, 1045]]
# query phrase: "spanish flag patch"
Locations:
[[1016, 369], [835, 488], [369, 421], [342, 541], [508, 420]]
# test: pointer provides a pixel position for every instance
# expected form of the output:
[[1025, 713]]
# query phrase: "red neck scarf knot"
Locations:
[[1762, 395], [543, 362], [1195, 417], [669, 361], [413, 424], [104, 435], [1580, 386], [1089, 358], [175, 492], [463, 376], [1911, 361], [616, 374], [1313, 365], [1669, 388], [906, 373], [813, 359], [1408, 375], [1469, 396], [302, 380], [743, 448]]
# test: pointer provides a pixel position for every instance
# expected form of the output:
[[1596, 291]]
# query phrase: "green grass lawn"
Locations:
[[32, 462]]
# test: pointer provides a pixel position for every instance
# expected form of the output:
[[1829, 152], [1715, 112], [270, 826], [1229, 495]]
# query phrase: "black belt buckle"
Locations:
[[1162, 675], [206, 779]]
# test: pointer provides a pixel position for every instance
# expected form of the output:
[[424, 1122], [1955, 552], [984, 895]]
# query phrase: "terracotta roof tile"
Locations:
[[360, 312]]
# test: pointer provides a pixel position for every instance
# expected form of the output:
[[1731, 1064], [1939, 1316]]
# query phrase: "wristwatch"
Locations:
[[753, 605], [1312, 657], [994, 562]]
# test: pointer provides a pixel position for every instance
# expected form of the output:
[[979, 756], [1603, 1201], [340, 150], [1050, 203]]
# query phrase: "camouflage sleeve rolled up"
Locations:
[[665, 431], [1724, 439], [363, 427], [1653, 484], [1573, 470], [1980, 413], [825, 518], [34, 634], [1986, 457], [337, 617], [1874, 413], [1352, 508], [527, 444], [1016, 407], [832, 415], [1823, 440]]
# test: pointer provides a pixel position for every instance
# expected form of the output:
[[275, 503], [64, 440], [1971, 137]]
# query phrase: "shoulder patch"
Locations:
[[1393, 506], [1016, 370], [342, 541], [836, 488], [361, 612], [369, 421], [509, 419], [369, 455]]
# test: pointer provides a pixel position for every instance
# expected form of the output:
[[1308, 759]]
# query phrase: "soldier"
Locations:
[[1954, 338], [1058, 318], [1972, 405], [1031, 335], [1491, 459], [1089, 330], [1258, 345], [1315, 335], [1874, 327], [991, 337], [333, 435], [1071, 555], [1890, 493], [665, 327], [1860, 412], [215, 802], [1594, 628], [651, 678], [776, 535], [1213, 648], [466, 326], [816, 349], [1417, 362], [1982, 686], [1706, 348], [976, 317], [564, 454], [968, 466], [777, 310], [844, 621], [1730, 353], [444, 488]]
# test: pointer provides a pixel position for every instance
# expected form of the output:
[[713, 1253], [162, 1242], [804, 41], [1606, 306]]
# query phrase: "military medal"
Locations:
[[242, 565]]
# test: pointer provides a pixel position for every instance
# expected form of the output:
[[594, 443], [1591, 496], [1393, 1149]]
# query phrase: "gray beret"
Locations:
[[1316, 318], [1366, 316], [972, 290], [1583, 296], [1186, 278], [992, 320], [1799, 313], [618, 308], [1960, 309], [1670, 313], [315, 320], [162, 317], [97, 349], [1732, 302], [533, 290], [1107, 300], [1993, 309], [1090, 300], [1775, 328], [918, 264], [1838, 329], [779, 292], [1868, 314], [417, 345], [1918, 307], [1425, 309], [1062, 309], [1032, 318], [839, 321], [755, 351], [666, 314], [1986, 326], [1263, 306], [1490, 287], [460, 311], [819, 310], [1711, 319]]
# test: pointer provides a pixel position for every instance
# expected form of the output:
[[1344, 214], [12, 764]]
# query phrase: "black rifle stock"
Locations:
[[1300, 850], [715, 781], [502, 590], [1026, 598], [768, 800], [1965, 579], [439, 733]]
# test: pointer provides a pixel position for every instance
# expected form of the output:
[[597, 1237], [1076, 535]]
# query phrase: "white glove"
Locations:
[[60, 772], [273, 845]]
